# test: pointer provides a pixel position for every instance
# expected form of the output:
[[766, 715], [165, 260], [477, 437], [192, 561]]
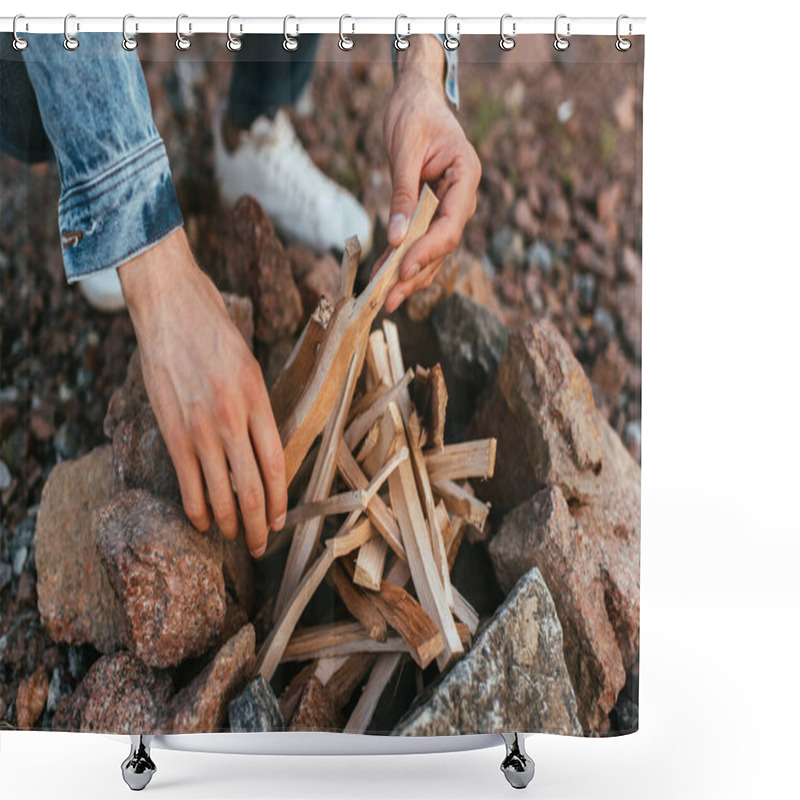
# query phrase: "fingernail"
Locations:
[[398, 225], [410, 272], [260, 552], [279, 523]]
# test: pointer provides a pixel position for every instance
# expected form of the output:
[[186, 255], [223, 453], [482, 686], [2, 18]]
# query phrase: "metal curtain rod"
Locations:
[[570, 26]]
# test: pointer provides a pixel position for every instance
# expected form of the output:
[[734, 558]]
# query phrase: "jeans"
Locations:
[[91, 105]]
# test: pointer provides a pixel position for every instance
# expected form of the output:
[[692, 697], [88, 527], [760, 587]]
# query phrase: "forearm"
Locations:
[[424, 58]]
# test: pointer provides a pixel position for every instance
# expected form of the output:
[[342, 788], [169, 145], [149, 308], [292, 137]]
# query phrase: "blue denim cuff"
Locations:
[[119, 213]]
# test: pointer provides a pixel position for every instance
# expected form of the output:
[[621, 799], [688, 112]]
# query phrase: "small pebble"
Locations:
[[5, 576], [20, 557], [539, 257], [565, 111], [5, 476], [586, 285], [603, 321]]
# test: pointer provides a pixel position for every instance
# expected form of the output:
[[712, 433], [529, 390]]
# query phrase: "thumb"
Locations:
[[405, 194]]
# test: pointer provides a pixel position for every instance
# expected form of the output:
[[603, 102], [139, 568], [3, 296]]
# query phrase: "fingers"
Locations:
[[220, 491], [406, 168], [269, 451], [456, 206], [404, 289], [250, 495], [193, 496]]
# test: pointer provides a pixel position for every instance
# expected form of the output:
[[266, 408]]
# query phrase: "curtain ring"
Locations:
[[507, 42], [181, 42], [289, 43], [345, 42], [401, 42], [234, 43], [19, 43], [70, 42], [622, 44], [450, 42], [128, 42], [560, 42]]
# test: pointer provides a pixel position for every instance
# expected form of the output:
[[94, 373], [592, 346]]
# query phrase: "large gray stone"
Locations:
[[513, 679], [255, 709]]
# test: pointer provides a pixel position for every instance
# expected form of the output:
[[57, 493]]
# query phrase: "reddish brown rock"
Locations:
[[315, 276], [166, 575], [202, 706], [542, 412], [75, 597], [31, 698], [316, 710], [588, 555], [128, 398], [257, 265], [118, 695], [140, 457]]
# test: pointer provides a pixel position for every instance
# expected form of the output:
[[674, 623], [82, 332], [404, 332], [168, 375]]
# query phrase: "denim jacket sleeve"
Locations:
[[117, 197]]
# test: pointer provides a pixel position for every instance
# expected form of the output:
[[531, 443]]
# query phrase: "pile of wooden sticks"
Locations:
[[399, 496]]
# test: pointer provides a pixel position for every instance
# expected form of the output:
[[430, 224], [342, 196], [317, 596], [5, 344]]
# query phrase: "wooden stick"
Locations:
[[462, 503], [424, 569], [466, 613], [358, 603], [349, 267], [424, 486], [379, 678], [348, 644], [306, 536], [377, 511], [305, 407], [345, 678], [389, 434], [394, 351], [361, 424], [342, 503], [370, 563], [352, 540], [409, 619], [368, 445], [464, 460], [370, 396], [378, 359], [437, 406]]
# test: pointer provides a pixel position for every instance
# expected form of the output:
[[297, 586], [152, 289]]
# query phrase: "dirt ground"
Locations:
[[557, 230]]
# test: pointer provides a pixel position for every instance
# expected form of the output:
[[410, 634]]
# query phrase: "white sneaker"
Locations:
[[103, 291], [271, 165]]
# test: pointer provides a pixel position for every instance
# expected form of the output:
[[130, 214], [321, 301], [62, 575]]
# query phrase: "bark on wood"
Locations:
[[358, 603]]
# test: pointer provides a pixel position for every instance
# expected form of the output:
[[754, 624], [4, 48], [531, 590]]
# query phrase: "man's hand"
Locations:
[[426, 143], [207, 393]]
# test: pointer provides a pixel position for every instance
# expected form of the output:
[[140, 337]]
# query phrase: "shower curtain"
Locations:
[[401, 288]]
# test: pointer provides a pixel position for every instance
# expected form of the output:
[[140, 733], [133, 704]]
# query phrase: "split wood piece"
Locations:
[[414, 434], [423, 567], [462, 503], [361, 424], [368, 445], [377, 510], [464, 460], [342, 503], [393, 348], [306, 535], [318, 383], [390, 433], [269, 656], [452, 533], [352, 540], [378, 360], [358, 604], [291, 694], [350, 260], [409, 619], [344, 678], [465, 635], [370, 563], [365, 401], [399, 575], [337, 639], [377, 682], [437, 406]]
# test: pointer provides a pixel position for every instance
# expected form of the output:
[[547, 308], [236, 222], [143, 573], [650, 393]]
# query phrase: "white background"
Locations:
[[720, 604]]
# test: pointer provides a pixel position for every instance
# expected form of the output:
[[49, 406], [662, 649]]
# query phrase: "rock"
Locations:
[[237, 571], [539, 256], [240, 310], [609, 373], [201, 706], [6, 573], [119, 695], [257, 262], [542, 412], [589, 558], [166, 575], [58, 689], [588, 259], [5, 476], [507, 249], [78, 661], [629, 308], [140, 458], [255, 709], [316, 710], [513, 679], [632, 436], [26, 589], [472, 340], [76, 599], [31, 698], [315, 276], [586, 286], [128, 398]]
